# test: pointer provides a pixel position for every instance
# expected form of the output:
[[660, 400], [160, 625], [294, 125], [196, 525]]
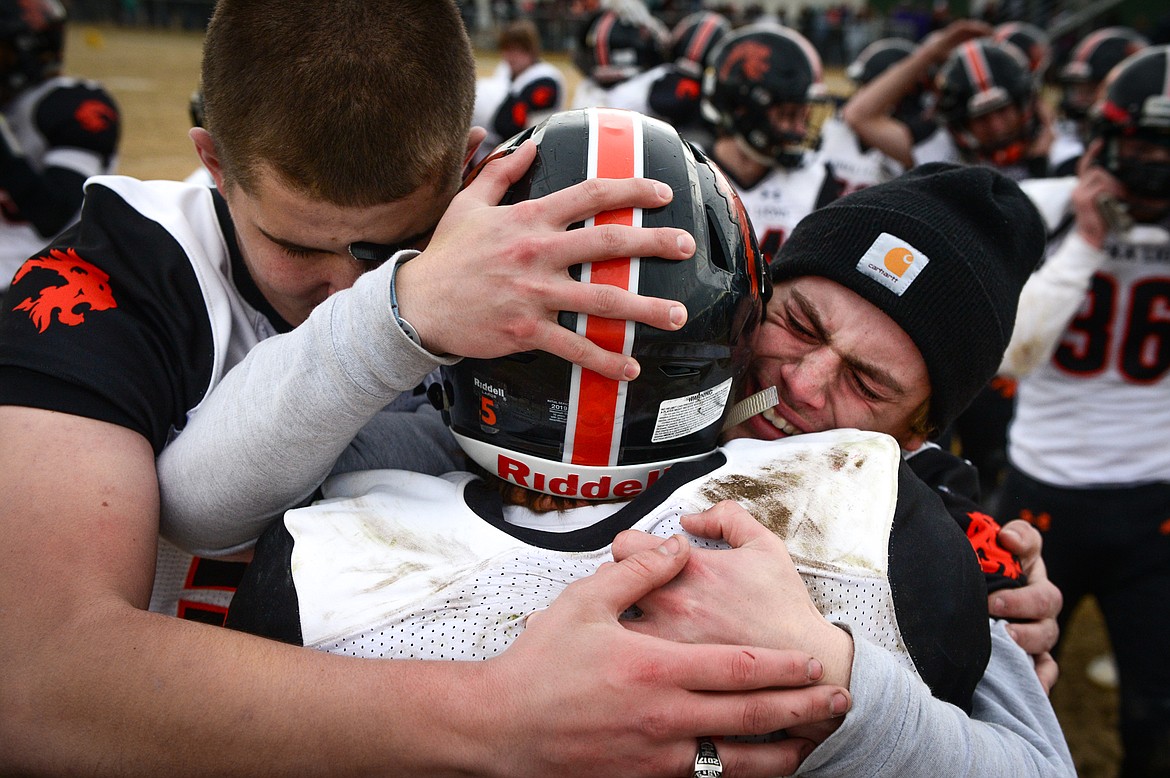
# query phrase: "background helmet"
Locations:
[[1032, 42], [616, 48], [979, 77], [694, 38], [32, 36], [876, 57], [754, 69], [1090, 62], [1136, 104], [538, 421]]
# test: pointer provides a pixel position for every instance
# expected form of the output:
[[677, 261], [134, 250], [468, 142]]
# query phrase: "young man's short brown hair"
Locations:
[[355, 102]]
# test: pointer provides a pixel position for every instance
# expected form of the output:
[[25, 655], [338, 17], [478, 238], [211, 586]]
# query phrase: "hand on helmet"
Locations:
[[520, 255], [938, 45]]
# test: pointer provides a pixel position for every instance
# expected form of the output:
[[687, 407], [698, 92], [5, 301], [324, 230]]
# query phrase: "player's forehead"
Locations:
[[290, 214]]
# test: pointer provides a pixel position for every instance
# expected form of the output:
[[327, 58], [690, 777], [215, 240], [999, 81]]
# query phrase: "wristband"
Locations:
[[403, 324]]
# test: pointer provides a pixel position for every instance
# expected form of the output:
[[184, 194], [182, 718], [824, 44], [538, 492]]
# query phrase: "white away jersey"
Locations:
[[783, 197], [1098, 412], [148, 342], [402, 565]]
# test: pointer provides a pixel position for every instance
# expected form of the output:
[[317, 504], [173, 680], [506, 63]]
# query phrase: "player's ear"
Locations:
[[205, 148]]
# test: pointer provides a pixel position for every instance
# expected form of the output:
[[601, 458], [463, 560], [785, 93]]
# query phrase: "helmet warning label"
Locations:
[[682, 416]]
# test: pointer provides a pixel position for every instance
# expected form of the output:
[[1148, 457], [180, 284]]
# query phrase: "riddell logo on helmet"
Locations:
[[570, 485], [892, 262]]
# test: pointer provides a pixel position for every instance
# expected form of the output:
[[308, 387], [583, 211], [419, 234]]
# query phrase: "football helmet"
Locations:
[[876, 57], [538, 421], [694, 38], [32, 36], [1032, 42], [1090, 62], [1136, 104], [615, 48], [979, 77], [754, 70]]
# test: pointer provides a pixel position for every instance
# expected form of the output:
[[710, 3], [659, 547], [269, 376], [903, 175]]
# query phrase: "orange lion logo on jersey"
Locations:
[[95, 116], [86, 288]]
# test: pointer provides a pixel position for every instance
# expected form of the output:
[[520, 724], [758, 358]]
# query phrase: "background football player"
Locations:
[[54, 131]]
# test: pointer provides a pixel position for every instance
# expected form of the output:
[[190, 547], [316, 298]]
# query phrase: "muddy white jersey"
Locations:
[[1098, 412], [404, 565]]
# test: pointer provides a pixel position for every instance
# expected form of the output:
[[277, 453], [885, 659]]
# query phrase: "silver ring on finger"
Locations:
[[707, 764]]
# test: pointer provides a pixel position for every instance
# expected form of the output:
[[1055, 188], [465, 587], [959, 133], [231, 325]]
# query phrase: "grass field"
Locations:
[[152, 75]]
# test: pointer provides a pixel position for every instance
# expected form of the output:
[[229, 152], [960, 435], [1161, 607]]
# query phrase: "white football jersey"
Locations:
[[1098, 412], [783, 197], [396, 564]]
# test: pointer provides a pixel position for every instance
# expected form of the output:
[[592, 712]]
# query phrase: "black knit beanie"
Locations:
[[943, 250]]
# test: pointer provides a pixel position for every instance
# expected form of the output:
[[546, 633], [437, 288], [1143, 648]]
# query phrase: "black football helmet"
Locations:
[[32, 37], [754, 69], [540, 422], [979, 77], [1090, 62], [1136, 104], [615, 48], [876, 57], [694, 38], [1032, 42]]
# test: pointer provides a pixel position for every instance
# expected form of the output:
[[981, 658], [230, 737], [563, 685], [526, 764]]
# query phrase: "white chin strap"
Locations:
[[752, 406]]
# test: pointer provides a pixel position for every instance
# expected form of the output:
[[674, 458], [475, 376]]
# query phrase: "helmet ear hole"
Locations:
[[717, 255], [676, 370]]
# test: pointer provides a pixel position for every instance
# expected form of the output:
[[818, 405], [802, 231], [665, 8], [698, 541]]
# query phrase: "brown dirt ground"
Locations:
[[152, 74]]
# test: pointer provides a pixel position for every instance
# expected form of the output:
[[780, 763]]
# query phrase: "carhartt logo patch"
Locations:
[[892, 262]]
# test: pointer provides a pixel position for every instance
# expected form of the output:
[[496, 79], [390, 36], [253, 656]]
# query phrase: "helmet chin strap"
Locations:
[[752, 406]]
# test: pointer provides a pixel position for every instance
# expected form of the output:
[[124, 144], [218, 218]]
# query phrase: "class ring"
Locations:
[[707, 764]]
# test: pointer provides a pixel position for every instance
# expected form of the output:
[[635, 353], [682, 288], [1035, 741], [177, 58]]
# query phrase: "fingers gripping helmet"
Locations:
[[540, 422], [31, 40], [1136, 104], [1031, 41], [1090, 62], [979, 77], [694, 38], [755, 69], [616, 48]]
